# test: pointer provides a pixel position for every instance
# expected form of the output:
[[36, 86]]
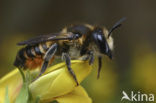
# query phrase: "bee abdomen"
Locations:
[[31, 56], [30, 52], [20, 59], [45, 47], [36, 51], [41, 49]]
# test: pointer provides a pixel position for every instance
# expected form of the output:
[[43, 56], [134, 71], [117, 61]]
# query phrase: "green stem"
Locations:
[[22, 74]]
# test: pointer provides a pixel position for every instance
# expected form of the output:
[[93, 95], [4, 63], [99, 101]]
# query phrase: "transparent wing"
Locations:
[[49, 37]]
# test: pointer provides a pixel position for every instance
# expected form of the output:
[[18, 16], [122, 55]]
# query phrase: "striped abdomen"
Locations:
[[31, 56]]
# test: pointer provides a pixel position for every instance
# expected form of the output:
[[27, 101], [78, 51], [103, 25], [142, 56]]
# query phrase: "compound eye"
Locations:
[[101, 42], [100, 38]]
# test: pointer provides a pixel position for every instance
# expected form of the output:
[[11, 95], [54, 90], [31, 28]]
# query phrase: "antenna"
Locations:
[[116, 25]]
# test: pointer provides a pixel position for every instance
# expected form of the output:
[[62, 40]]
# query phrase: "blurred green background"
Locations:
[[134, 64]]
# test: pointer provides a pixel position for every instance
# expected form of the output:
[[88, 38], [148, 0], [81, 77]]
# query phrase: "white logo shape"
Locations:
[[125, 96], [137, 96]]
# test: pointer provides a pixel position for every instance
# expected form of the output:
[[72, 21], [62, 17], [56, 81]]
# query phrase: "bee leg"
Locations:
[[49, 54], [99, 66], [68, 63], [91, 56]]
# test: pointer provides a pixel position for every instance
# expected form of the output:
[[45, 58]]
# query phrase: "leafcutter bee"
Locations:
[[71, 43]]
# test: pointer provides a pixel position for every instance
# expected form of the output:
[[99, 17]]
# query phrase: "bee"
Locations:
[[72, 42]]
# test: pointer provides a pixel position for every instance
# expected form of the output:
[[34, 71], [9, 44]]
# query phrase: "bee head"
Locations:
[[104, 43], [103, 39]]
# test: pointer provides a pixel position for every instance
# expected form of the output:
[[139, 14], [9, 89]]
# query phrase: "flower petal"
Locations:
[[78, 95], [58, 81], [55, 82], [13, 81]]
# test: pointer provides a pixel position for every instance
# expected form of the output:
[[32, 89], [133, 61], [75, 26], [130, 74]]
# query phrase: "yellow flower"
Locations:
[[13, 82], [55, 84]]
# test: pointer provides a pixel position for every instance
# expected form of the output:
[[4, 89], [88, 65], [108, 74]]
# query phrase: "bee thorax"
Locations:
[[74, 52]]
